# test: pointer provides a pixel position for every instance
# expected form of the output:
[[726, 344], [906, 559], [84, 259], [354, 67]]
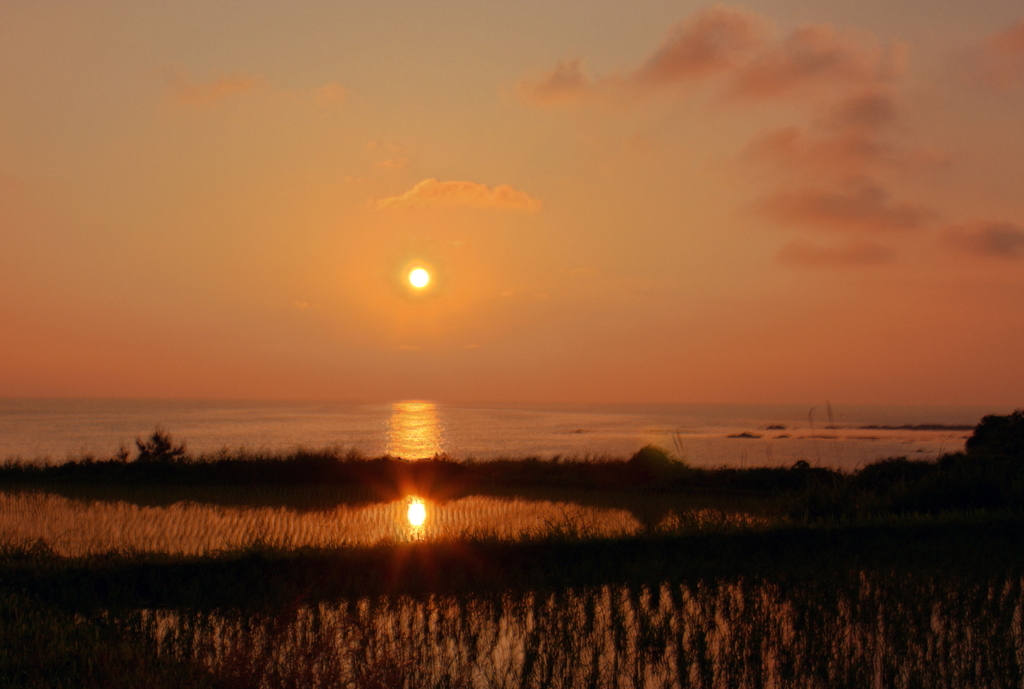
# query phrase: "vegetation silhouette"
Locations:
[[1001, 436], [159, 447], [987, 475]]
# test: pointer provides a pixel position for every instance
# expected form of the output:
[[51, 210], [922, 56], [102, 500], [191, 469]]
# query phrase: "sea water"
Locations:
[[845, 437]]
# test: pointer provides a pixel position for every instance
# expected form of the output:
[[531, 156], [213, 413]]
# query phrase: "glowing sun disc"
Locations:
[[419, 278]]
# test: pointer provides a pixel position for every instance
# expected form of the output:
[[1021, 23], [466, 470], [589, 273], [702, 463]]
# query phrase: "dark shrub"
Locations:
[[652, 462], [999, 435], [889, 472]]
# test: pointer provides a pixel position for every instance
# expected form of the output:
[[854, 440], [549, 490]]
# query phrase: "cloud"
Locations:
[[814, 58], [739, 48], [852, 138], [860, 207], [381, 146], [392, 156], [1001, 58], [566, 83], [431, 193], [392, 164], [185, 91], [867, 110], [852, 254], [797, 150], [714, 40], [995, 238]]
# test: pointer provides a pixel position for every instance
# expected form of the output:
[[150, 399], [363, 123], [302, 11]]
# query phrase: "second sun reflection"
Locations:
[[417, 516]]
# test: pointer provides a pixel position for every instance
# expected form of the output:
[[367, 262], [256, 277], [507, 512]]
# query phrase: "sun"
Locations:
[[419, 278]]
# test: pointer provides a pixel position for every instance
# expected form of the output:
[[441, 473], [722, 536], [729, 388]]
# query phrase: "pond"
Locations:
[[73, 526]]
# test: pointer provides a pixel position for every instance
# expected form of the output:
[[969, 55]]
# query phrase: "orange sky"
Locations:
[[780, 201]]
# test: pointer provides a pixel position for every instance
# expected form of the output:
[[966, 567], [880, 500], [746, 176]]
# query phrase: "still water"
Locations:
[[768, 435], [78, 525], [73, 527]]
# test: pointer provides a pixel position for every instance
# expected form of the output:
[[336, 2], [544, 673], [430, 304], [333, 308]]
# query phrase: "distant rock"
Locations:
[[743, 435], [776, 427]]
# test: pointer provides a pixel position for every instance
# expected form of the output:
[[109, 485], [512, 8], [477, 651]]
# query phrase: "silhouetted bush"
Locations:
[[652, 462], [892, 471], [999, 435]]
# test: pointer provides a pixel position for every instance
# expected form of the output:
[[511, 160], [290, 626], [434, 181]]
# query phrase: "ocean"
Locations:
[[51, 431]]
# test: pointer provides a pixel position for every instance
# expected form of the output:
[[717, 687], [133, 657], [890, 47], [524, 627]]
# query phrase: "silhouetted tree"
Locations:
[[999, 435], [159, 447]]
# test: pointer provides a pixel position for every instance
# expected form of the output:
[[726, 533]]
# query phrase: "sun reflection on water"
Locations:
[[417, 512], [417, 516], [415, 430]]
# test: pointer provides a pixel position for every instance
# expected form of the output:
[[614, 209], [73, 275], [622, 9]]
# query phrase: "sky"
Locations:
[[780, 201]]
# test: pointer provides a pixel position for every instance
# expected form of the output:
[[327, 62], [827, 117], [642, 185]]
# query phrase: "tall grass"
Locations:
[[857, 629]]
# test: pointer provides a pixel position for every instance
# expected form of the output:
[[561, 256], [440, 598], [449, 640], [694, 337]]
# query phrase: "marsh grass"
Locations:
[[919, 601], [855, 629]]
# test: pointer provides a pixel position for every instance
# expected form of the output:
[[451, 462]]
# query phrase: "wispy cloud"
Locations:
[[798, 151], [382, 146], [857, 208], [565, 83], [1001, 57], [994, 238], [815, 58], [740, 49], [390, 155], [712, 41], [183, 89], [852, 254], [430, 193], [715, 40], [833, 167], [856, 137]]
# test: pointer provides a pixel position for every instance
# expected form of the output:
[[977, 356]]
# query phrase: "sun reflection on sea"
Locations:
[[415, 430]]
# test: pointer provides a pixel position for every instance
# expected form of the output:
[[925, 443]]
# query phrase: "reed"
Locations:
[[857, 629]]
